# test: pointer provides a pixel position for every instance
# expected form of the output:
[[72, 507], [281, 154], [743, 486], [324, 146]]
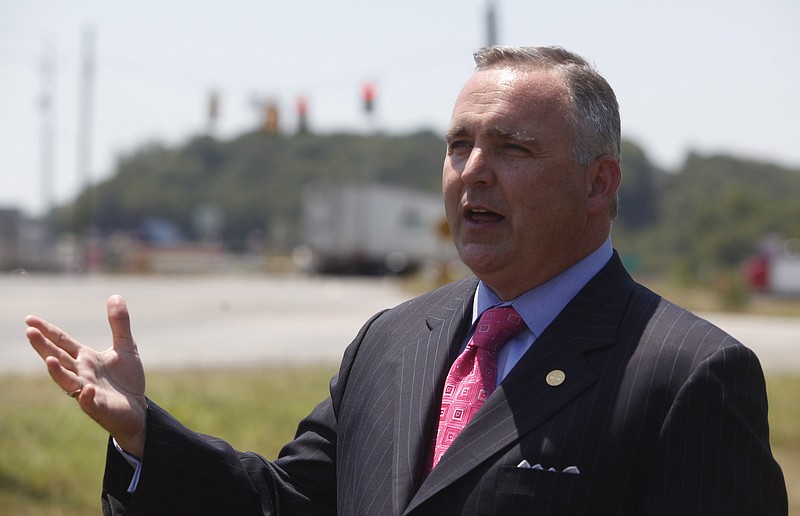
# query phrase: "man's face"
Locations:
[[516, 201]]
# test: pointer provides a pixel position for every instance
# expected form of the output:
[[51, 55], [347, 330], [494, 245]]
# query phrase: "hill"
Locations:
[[705, 217]]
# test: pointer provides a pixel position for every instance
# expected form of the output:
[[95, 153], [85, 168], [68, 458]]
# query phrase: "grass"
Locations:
[[784, 420], [51, 455]]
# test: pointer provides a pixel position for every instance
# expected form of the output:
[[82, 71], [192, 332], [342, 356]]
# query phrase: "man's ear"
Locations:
[[603, 178]]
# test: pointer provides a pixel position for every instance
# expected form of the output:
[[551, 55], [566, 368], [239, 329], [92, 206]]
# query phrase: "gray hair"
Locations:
[[595, 114]]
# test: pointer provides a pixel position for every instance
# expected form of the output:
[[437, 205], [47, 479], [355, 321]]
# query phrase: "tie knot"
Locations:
[[497, 326]]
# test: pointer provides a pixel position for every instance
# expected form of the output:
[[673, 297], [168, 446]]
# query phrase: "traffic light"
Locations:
[[368, 96], [301, 105], [271, 118]]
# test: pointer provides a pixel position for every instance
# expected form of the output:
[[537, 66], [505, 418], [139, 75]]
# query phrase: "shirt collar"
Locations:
[[539, 306]]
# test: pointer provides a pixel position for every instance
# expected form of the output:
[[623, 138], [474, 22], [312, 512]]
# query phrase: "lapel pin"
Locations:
[[555, 377]]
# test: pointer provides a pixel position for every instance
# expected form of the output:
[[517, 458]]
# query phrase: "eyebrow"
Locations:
[[518, 136], [455, 132], [496, 132]]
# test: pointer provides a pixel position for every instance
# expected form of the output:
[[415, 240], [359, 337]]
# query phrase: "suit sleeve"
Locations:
[[713, 454], [184, 472]]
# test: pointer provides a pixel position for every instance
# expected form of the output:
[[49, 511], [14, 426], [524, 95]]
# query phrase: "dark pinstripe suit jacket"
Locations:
[[662, 413]]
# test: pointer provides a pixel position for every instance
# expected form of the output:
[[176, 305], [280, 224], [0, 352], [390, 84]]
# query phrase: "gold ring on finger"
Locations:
[[76, 392]]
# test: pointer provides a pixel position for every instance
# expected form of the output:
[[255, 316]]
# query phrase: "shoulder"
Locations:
[[672, 338], [392, 326], [460, 289], [436, 303]]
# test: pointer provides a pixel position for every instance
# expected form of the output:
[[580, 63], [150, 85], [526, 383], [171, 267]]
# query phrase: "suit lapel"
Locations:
[[422, 366], [524, 400]]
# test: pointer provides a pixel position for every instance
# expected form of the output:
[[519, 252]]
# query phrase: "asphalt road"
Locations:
[[219, 321]]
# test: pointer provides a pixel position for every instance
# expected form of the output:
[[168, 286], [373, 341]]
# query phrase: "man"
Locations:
[[608, 399]]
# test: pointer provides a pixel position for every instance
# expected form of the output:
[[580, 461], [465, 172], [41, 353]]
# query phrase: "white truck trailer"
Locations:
[[370, 228]]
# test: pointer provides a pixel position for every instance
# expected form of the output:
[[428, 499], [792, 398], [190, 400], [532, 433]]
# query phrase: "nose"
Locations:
[[478, 168]]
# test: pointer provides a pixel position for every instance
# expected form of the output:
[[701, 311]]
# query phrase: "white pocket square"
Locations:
[[569, 469]]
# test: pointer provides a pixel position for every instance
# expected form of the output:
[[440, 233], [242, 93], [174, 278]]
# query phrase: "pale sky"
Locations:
[[702, 75]]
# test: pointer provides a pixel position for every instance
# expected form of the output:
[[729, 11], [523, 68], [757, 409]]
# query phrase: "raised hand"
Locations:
[[108, 385]]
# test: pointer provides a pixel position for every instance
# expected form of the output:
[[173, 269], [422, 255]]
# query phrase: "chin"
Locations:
[[479, 261]]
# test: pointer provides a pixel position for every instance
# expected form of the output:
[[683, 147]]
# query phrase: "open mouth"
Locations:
[[482, 216]]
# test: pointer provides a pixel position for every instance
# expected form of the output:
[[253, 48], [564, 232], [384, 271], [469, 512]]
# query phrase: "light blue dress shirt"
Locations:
[[539, 306]]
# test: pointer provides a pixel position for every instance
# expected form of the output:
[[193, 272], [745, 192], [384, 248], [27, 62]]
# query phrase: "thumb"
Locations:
[[120, 322]]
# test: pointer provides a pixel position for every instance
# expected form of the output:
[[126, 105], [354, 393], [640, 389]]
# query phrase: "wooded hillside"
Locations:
[[710, 214]]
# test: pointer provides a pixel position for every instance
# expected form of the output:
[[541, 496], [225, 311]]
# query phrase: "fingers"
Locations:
[[86, 400], [47, 350], [120, 322], [59, 351], [68, 380], [73, 385], [50, 339]]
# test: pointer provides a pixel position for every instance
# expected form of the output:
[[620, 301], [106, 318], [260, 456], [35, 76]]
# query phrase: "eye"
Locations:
[[515, 149], [458, 145]]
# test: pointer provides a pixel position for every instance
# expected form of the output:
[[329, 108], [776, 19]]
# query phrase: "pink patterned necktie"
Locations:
[[473, 376]]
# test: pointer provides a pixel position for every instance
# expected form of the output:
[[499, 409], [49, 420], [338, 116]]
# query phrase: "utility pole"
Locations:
[[47, 111], [85, 105], [213, 112], [491, 23]]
